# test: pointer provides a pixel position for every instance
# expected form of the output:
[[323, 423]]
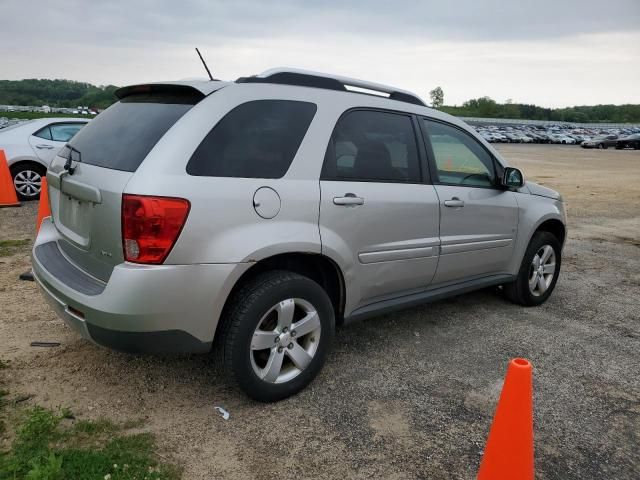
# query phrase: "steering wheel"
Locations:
[[483, 175]]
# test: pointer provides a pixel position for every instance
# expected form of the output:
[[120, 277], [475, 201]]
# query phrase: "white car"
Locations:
[[563, 139], [524, 138], [30, 146]]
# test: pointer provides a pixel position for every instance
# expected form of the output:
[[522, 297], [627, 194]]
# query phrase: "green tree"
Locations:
[[437, 97], [55, 93]]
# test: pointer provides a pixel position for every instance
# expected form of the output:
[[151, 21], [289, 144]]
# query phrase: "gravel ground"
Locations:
[[408, 395]]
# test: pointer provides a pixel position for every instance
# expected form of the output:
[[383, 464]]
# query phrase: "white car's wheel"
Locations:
[[27, 180]]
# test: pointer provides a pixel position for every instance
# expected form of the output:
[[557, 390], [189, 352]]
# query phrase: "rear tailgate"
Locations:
[[88, 176]]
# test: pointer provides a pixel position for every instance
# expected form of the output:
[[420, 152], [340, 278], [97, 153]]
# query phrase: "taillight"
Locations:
[[150, 226]]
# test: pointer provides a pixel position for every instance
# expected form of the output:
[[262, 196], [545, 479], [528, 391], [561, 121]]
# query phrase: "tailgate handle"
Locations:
[[81, 191], [73, 188], [53, 179]]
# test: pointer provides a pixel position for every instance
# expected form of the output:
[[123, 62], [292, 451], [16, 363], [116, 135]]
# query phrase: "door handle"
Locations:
[[349, 199], [44, 146], [455, 202]]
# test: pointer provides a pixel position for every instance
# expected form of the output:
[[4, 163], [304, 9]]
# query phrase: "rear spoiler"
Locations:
[[197, 89]]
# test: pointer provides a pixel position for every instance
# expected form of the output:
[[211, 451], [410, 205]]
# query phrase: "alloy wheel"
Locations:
[[285, 340], [542, 270]]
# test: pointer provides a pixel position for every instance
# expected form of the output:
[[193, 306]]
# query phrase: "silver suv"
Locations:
[[252, 217]]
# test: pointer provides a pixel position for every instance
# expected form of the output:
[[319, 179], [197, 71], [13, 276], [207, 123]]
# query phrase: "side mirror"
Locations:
[[512, 178]]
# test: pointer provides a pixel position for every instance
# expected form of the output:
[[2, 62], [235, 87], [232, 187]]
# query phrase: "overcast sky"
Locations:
[[552, 53]]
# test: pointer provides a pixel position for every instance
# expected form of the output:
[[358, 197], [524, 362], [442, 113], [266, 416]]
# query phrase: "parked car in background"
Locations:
[[632, 141], [562, 139], [550, 133], [31, 146], [512, 137], [601, 141], [499, 137]]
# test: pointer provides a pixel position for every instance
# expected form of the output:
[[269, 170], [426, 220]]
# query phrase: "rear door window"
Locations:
[[122, 136], [63, 132], [257, 139], [374, 146]]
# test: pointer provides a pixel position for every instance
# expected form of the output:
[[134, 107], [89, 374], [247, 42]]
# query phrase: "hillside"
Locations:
[[486, 107], [68, 93], [55, 93]]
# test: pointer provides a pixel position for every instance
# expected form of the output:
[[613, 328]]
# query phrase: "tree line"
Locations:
[[486, 107], [68, 93], [55, 93]]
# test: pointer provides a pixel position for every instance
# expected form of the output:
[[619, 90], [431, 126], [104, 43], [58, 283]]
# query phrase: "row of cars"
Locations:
[[562, 134], [29, 146], [7, 122]]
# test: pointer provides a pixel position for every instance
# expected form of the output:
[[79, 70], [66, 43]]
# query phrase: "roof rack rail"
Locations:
[[308, 78]]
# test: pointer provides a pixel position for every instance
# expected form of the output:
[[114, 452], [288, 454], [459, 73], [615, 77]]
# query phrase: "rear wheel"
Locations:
[[27, 180], [276, 334], [538, 272], [601, 146]]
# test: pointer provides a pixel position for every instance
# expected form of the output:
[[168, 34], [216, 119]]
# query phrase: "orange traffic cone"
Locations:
[[43, 207], [43, 212], [509, 450], [8, 197]]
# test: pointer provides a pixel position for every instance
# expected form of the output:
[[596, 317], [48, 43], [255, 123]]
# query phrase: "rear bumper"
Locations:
[[142, 308]]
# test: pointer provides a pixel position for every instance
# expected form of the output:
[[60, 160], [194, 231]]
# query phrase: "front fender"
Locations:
[[533, 212]]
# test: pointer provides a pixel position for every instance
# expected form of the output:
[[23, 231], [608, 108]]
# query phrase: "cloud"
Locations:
[[167, 21], [555, 52]]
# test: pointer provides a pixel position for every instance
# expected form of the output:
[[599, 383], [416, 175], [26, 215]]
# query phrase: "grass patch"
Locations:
[[100, 426], [9, 247], [3, 364], [3, 428], [46, 447]]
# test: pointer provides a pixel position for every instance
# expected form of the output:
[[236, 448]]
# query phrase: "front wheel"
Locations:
[[276, 334], [538, 272]]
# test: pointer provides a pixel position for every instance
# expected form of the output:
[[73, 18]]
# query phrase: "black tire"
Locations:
[[601, 146], [518, 291], [241, 318], [28, 169]]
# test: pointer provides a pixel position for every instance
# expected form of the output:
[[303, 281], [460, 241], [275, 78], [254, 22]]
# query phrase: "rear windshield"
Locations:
[[121, 137]]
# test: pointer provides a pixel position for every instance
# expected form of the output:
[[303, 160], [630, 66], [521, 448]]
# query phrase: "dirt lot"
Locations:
[[408, 395]]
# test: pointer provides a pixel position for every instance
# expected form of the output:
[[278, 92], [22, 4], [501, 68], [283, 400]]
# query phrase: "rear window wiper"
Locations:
[[68, 164]]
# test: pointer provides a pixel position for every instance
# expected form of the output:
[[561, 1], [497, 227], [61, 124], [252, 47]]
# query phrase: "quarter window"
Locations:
[[459, 159], [257, 139], [374, 146], [64, 132], [43, 133]]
